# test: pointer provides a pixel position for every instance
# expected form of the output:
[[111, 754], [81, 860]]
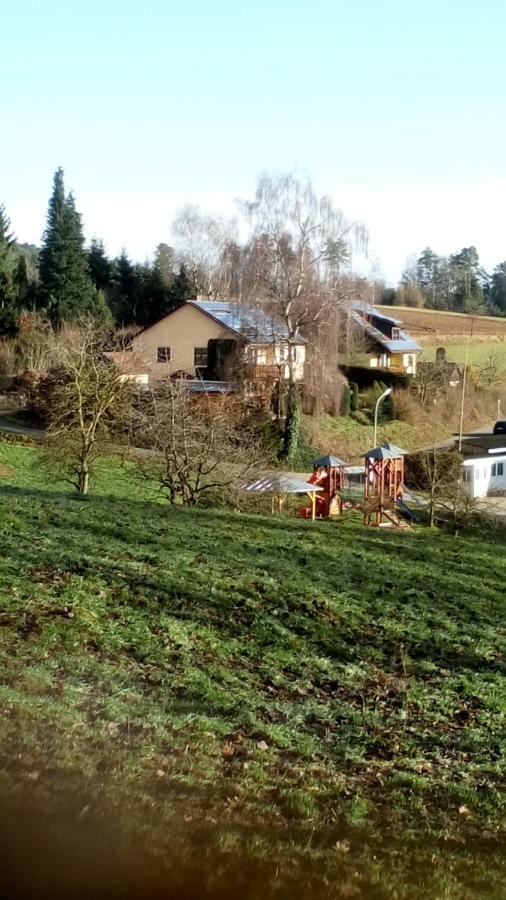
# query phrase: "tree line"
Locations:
[[458, 283], [64, 280]]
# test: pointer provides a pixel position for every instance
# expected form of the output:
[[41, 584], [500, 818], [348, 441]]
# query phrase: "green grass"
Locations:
[[479, 352], [316, 695]]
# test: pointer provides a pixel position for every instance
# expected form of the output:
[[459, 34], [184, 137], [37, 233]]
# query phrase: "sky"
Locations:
[[395, 108]]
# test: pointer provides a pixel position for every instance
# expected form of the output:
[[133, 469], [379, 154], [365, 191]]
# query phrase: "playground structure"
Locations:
[[384, 488], [328, 476], [280, 486]]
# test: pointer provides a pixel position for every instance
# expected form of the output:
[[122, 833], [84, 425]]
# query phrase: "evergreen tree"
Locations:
[[345, 406], [8, 293], [354, 398], [164, 266], [124, 290], [498, 289], [100, 266], [66, 291], [183, 288]]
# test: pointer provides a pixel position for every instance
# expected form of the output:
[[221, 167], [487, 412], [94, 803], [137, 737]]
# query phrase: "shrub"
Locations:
[[345, 406], [355, 399]]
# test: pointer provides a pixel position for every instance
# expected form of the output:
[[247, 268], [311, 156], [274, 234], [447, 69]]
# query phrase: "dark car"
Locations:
[[500, 427]]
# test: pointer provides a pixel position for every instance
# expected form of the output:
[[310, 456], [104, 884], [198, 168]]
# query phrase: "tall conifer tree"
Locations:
[[66, 291], [8, 292]]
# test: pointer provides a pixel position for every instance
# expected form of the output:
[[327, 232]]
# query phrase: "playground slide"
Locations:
[[405, 512], [412, 497]]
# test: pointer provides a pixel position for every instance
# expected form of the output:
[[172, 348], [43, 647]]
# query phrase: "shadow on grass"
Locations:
[[113, 540]]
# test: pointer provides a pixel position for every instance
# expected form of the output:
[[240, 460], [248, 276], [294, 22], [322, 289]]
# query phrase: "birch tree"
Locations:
[[298, 248]]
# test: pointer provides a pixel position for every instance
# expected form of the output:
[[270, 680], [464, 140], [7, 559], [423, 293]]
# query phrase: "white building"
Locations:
[[484, 466]]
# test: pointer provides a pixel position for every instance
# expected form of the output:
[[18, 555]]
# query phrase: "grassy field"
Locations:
[[433, 328], [323, 704]]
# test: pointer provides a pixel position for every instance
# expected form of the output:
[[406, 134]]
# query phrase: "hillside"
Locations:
[[266, 702]]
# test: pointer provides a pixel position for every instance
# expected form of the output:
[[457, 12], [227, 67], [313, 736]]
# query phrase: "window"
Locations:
[[396, 334], [467, 475], [261, 357], [163, 354], [497, 469], [200, 357]]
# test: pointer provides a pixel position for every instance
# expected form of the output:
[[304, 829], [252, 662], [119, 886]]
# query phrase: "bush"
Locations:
[[361, 417], [407, 409], [355, 399], [345, 407]]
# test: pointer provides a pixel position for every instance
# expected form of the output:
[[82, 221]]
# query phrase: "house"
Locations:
[[211, 339], [484, 466], [439, 375], [483, 471], [387, 346]]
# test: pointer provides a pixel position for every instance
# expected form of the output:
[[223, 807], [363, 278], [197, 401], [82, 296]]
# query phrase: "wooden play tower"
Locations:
[[328, 474], [383, 486]]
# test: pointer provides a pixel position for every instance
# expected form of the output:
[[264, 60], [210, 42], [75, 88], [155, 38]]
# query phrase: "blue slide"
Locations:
[[405, 512]]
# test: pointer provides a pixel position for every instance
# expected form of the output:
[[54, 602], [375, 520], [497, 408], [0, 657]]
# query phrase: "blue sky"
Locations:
[[396, 109]]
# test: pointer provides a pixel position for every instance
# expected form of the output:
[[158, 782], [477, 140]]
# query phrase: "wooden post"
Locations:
[[313, 505]]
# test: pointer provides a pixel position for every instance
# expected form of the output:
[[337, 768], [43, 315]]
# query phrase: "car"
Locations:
[[500, 427]]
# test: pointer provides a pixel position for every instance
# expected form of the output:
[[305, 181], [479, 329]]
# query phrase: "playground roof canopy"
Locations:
[[280, 484], [385, 451], [325, 462]]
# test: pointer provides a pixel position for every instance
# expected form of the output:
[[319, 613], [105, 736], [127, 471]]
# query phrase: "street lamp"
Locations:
[[378, 401]]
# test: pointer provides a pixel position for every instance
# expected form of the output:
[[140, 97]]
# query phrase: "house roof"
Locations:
[[280, 484], [404, 344], [252, 323], [325, 462], [483, 445], [367, 310]]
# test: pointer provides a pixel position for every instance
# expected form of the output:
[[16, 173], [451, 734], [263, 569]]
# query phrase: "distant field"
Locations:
[[433, 328], [430, 326]]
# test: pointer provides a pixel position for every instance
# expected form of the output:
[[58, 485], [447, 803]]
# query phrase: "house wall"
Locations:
[[478, 479], [405, 362], [182, 331], [186, 329]]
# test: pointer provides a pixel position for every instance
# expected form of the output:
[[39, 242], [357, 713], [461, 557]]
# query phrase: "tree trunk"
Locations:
[[292, 424], [83, 477]]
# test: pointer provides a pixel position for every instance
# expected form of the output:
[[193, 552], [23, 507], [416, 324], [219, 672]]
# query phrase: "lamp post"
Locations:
[[378, 401]]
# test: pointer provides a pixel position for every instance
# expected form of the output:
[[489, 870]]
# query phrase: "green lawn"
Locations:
[[479, 353], [326, 700]]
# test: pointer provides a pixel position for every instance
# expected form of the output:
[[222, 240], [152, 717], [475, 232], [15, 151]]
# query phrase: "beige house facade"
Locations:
[[198, 339]]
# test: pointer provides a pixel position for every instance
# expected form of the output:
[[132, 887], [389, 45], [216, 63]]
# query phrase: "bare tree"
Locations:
[[199, 443], [86, 399], [491, 372], [436, 473], [298, 247], [207, 247]]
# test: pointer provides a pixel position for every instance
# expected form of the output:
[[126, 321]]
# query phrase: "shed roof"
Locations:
[[482, 444], [280, 484], [324, 462], [385, 451], [252, 323]]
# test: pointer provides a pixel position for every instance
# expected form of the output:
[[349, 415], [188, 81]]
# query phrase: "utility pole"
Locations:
[[464, 381]]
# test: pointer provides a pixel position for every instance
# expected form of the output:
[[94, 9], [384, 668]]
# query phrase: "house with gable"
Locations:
[[208, 340], [385, 342]]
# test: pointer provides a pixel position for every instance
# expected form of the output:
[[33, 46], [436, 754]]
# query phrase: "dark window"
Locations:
[[200, 357], [163, 354], [498, 469], [396, 334]]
